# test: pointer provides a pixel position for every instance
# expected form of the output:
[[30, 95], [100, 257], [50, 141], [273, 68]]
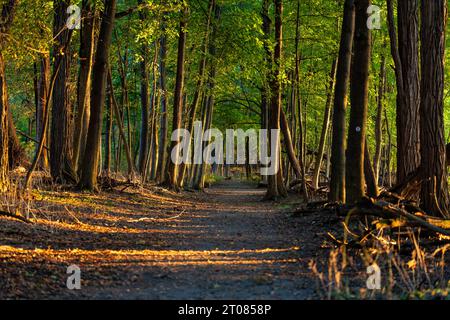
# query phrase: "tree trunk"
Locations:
[[326, 124], [100, 71], [434, 193], [163, 118], [108, 136], [379, 120], [145, 100], [42, 91], [406, 58], [199, 86], [369, 174], [87, 40], [7, 14], [172, 178], [298, 105], [60, 140], [359, 83], [276, 187], [337, 184], [119, 122]]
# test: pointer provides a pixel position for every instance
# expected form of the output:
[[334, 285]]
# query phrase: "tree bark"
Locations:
[[434, 192], [199, 86], [42, 91], [60, 140], [7, 15], [276, 187], [145, 101], [379, 120], [354, 170], [337, 184], [108, 136], [87, 40], [89, 171], [162, 158], [369, 174], [172, 177]]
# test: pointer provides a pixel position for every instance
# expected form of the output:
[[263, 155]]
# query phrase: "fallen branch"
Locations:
[[15, 216], [386, 210]]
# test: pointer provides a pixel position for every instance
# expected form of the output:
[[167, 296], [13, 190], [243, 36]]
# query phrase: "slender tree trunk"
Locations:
[[100, 71], [108, 136], [172, 179], [42, 88], [325, 126], [163, 117], [379, 120], [389, 150], [276, 187], [87, 40], [434, 194], [267, 62], [122, 134], [199, 86], [359, 104], [292, 158], [369, 174], [298, 105], [145, 100], [337, 183]]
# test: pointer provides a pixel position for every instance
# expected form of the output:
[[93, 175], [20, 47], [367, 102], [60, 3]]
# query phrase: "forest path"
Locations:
[[149, 243], [230, 245]]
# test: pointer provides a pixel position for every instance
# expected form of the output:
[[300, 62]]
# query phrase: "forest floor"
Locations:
[[225, 243], [150, 243]]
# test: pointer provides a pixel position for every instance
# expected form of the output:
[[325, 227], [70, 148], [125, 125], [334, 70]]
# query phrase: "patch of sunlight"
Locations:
[[155, 257], [105, 229]]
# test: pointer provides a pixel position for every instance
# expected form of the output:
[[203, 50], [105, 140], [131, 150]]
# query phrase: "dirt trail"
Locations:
[[222, 244], [236, 247]]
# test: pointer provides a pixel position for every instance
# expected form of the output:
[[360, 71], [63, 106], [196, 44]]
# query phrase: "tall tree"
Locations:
[[7, 15], [434, 192], [379, 119], [359, 83], [145, 103], [163, 118], [89, 170], [337, 184], [42, 93], [87, 39], [405, 53], [200, 83], [171, 180], [276, 187], [60, 139]]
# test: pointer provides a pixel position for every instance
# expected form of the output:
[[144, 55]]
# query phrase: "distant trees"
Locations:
[[229, 65]]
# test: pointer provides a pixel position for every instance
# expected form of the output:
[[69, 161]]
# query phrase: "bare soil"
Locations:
[[225, 243]]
